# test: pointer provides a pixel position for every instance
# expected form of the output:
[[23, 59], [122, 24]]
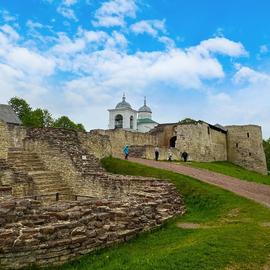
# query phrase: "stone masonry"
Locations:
[[72, 205]]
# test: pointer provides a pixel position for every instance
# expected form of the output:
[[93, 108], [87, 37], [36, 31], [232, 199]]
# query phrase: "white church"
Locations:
[[124, 117]]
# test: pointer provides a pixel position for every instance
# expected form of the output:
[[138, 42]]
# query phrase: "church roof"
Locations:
[[145, 108], [123, 104], [145, 121], [8, 115]]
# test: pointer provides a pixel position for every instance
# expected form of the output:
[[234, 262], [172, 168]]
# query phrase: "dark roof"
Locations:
[[8, 115]]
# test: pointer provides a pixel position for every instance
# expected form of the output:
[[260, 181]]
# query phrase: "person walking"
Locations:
[[156, 153], [170, 154], [126, 151], [184, 156]]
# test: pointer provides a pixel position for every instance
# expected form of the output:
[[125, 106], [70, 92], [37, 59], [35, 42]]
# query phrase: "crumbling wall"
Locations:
[[201, 142], [17, 135], [95, 143], [119, 138], [163, 133], [245, 147], [35, 234], [4, 140]]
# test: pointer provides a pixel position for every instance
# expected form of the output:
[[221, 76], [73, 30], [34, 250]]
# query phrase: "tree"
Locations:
[[22, 109], [266, 146], [48, 120], [40, 117], [187, 121], [65, 122]]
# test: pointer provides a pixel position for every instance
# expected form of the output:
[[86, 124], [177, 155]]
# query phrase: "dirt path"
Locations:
[[257, 192]]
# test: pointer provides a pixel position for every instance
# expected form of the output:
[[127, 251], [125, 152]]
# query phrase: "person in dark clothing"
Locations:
[[184, 156], [170, 154], [156, 153]]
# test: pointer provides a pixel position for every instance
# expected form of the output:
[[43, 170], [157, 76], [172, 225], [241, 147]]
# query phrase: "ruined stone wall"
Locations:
[[4, 140], [201, 142], [164, 133], [17, 135], [95, 143], [119, 138], [245, 147], [56, 161], [35, 234]]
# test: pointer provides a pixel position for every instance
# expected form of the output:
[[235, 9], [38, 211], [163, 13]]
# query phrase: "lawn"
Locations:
[[237, 235], [230, 169]]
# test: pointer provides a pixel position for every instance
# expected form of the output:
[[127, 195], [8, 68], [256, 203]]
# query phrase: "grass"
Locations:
[[233, 170], [234, 238]]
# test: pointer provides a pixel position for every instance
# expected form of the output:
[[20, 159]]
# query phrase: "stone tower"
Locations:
[[245, 147]]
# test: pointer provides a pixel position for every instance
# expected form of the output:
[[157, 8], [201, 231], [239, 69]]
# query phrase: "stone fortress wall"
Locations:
[[86, 209], [245, 147], [241, 145]]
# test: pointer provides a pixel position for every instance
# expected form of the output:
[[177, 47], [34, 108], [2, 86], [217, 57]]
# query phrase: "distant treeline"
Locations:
[[40, 117], [266, 146]]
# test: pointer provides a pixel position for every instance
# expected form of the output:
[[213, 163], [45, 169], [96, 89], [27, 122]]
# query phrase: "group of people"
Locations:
[[183, 155]]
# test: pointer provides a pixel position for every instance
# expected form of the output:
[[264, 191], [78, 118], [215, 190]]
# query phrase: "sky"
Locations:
[[207, 60]]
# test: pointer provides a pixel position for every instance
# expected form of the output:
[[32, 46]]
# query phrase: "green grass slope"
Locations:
[[233, 170], [237, 235]]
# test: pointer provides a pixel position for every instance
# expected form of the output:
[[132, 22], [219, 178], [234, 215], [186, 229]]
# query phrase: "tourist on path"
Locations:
[[156, 153], [184, 156], [126, 151], [170, 154]]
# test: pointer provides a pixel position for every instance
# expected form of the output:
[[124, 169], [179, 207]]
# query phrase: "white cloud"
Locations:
[[10, 31], [151, 27], [248, 75], [67, 13], [69, 2], [33, 25], [220, 45], [113, 13], [7, 17], [264, 49], [168, 42]]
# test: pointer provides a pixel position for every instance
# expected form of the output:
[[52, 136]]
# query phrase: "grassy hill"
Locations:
[[235, 232], [233, 170]]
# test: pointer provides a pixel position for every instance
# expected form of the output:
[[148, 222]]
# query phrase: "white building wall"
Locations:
[[126, 113], [143, 115], [146, 127]]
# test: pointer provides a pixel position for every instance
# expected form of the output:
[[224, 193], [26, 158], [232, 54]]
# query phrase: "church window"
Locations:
[[131, 122], [118, 121], [237, 145], [208, 129], [248, 134]]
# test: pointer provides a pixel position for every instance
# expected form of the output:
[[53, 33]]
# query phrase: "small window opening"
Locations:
[[249, 154], [208, 129], [248, 134], [237, 145]]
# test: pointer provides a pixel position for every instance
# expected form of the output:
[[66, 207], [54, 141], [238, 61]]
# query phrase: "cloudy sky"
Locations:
[[206, 59]]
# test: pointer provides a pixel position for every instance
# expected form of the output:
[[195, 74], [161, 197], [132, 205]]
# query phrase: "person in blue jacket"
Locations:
[[126, 151]]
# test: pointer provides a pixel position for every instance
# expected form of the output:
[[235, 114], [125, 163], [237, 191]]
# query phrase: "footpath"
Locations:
[[254, 191]]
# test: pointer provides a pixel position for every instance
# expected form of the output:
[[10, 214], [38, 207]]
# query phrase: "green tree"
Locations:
[[40, 117], [187, 121], [47, 119], [22, 109], [65, 122], [266, 146]]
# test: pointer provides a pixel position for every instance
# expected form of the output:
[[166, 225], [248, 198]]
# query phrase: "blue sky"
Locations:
[[206, 59]]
